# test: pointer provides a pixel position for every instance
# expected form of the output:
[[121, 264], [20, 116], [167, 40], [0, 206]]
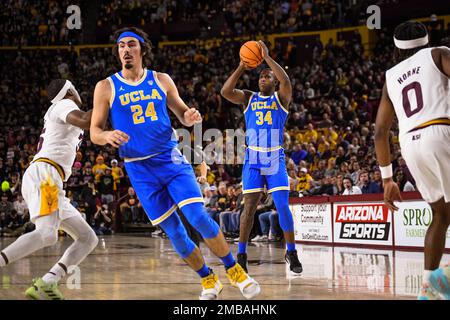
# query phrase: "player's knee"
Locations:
[[91, 240], [200, 220], [49, 236]]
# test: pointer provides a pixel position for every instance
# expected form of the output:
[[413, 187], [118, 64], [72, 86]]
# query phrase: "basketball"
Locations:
[[250, 54]]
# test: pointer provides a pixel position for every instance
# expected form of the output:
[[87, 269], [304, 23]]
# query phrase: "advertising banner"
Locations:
[[312, 222], [362, 223], [411, 222]]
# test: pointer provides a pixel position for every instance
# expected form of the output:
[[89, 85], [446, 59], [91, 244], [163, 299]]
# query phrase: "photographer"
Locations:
[[103, 221]]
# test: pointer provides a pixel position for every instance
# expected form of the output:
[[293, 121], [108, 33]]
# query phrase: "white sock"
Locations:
[[2, 260], [426, 276], [55, 274]]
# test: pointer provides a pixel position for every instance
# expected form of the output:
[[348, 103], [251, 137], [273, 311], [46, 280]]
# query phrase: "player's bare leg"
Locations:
[[251, 201]]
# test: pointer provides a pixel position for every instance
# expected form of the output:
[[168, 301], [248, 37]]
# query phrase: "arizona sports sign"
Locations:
[[362, 223]]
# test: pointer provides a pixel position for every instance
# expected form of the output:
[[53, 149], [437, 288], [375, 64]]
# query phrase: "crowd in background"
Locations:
[[328, 139], [43, 22]]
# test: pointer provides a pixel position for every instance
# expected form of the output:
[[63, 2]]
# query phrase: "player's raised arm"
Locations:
[[187, 116], [229, 90], [100, 114], [383, 125], [285, 91]]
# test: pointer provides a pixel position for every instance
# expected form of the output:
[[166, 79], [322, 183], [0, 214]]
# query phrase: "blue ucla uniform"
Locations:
[[264, 164], [161, 176]]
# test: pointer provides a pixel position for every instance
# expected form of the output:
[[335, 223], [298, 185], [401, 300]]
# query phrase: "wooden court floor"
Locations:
[[142, 267]]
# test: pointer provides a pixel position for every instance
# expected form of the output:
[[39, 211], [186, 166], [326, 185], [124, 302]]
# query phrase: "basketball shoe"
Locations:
[[440, 281], [295, 267], [41, 290], [246, 284], [428, 293], [242, 260], [211, 287]]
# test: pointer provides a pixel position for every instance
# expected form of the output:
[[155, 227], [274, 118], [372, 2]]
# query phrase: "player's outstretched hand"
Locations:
[[264, 49], [391, 194], [192, 116], [116, 138]]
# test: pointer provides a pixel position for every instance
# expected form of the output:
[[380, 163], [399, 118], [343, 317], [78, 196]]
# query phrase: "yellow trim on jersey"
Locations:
[[113, 91], [144, 76], [141, 158], [277, 189], [248, 104], [252, 190], [189, 201], [164, 216], [155, 76], [279, 102], [54, 164], [49, 197], [431, 122], [261, 149]]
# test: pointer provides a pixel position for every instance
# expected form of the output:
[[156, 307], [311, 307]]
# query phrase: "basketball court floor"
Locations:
[[142, 267]]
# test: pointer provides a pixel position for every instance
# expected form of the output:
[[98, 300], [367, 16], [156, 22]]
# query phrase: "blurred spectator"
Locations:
[[117, 174], [99, 168], [266, 205], [13, 225], [366, 185], [88, 199], [103, 220], [403, 183], [130, 207], [21, 208], [304, 181], [5, 205], [350, 188], [106, 186], [326, 187], [218, 203], [229, 219], [270, 227]]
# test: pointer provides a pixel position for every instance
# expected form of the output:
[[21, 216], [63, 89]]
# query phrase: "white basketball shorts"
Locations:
[[427, 155], [42, 189]]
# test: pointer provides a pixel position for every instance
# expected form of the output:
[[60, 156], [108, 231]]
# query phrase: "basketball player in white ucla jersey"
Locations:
[[42, 189], [417, 91]]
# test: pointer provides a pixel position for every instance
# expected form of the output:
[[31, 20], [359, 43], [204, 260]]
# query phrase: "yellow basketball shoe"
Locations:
[[211, 287], [246, 284], [41, 290]]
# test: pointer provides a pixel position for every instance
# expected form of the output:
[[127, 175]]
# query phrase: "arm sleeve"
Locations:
[[62, 109]]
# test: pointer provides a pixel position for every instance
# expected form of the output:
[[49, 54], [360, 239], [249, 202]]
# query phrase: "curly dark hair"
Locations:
[[146, 47], [407, 31]]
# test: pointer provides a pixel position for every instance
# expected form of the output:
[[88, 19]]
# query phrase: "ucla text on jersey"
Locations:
[[139, 109], [265, 118]]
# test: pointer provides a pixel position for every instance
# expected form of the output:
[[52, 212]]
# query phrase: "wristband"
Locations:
[[386, 172]]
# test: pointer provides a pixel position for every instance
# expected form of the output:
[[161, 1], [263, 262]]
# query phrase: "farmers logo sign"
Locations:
[[363, 221]]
